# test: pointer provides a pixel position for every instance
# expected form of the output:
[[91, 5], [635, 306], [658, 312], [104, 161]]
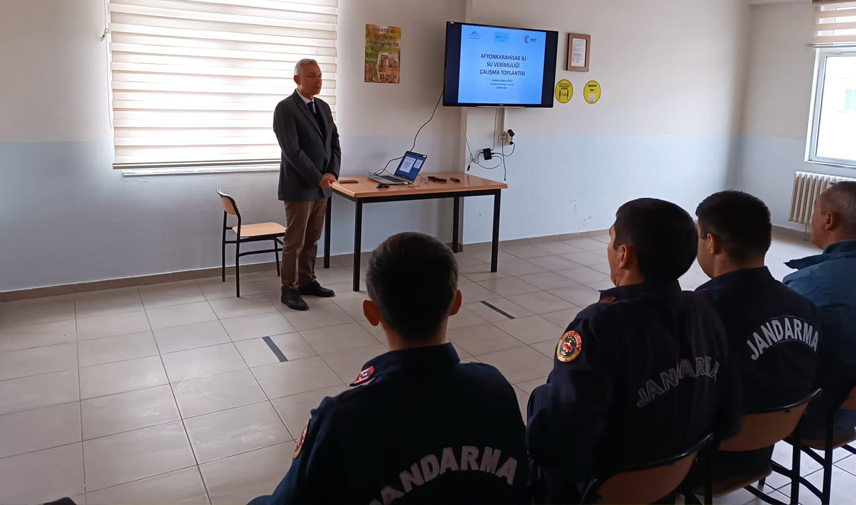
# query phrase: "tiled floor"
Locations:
[[171, 393]]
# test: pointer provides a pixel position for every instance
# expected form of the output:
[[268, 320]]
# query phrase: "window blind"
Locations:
[[836, 23], [195, 82]]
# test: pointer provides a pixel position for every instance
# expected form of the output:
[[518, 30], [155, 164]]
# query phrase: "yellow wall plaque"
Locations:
[[564, 91], [592, 92]]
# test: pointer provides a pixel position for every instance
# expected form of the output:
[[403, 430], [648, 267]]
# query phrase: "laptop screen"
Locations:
[[411, 164]]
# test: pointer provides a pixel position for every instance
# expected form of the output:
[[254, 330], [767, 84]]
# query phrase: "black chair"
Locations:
[[644, 482], [830, 442], [245, 233], [760, 430]]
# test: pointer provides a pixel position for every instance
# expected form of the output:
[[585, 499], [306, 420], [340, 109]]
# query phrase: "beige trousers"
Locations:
[[304, 222]]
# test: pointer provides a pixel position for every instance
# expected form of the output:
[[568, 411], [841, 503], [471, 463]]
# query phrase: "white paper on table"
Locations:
[[578, 53]]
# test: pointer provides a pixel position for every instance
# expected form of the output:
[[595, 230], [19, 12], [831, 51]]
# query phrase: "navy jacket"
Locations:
[[649, 378], [419, 427], [773, 334]]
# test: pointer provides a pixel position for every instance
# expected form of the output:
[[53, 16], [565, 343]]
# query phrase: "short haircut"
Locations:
[[840, 198], [305, 61], [740, 221], [663, 235], [413, 279]]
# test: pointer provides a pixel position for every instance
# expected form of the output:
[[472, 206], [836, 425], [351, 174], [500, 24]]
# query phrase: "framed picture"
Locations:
[[579, 47]]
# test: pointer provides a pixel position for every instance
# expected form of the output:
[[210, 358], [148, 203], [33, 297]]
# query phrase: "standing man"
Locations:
[[310, 162]]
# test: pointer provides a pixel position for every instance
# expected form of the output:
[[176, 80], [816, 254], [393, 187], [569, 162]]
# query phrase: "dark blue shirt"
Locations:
[[420, 427], [773, 336], [650, 379]]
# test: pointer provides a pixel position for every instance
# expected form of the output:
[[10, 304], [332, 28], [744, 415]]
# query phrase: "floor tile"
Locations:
[[109, 415], [348, 364], [294, 377], [479, 273], [268, 284], [214, 289], [562, 318], [319, 315], [174, 293], [557, 247], [547, 280], [541, 302], [491, 315], [473, 293], [243, 306], [110, 325], [29, 312], [482, 339], [334, 339], [177, 315], [530, 385], [463, 319], [190, 336], [587, 244], [333, 275], [547, 348], [219, 392], [112, 301], [531, 329], [843, 488], [135, 455], [42, 476], [202, 362], [112, 378], [582, 275], [526, 251], [295, 409], [35, 430], [38, 391], [239, 479], [119, 348], [38, 360], [516, 266], [508, 287], [36, 335], [578, 294], [519, 364], [183, 487], [553, 263], [587, 258], [256, 351], [235, 431], [258, 325]]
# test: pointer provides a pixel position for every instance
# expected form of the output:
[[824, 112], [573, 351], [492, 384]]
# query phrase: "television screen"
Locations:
[[495, 66]]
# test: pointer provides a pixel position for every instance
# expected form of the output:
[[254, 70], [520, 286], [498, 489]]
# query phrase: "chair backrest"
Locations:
[[764, 429], [849, 402], [646, 482], [229, 204]]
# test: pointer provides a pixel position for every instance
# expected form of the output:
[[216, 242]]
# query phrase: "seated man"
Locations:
[[772, 331], [829, 280], [419, 426], [643, 373]]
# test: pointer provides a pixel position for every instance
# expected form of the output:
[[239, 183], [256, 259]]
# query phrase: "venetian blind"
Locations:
[[836, 23], [195, 82]]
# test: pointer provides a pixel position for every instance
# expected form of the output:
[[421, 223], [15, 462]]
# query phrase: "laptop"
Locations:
[[409, 167]]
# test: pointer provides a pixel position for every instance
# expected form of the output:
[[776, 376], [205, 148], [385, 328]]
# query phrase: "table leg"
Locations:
[[358, 233], [456, 226], [327, 220], [494, 250]]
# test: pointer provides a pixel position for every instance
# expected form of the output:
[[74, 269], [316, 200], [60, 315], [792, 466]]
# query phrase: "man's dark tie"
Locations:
[[318, 117]]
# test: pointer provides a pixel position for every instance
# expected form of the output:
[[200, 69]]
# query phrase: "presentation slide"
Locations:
[[501, 65]]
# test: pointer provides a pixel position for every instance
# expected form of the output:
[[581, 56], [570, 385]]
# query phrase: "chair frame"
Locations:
[[826, 460], [277, 242], [593, 489]]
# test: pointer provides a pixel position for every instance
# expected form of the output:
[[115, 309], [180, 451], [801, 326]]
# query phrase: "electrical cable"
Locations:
[[383, 170]]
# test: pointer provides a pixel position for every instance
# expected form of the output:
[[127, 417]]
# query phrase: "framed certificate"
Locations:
[[579, 47]]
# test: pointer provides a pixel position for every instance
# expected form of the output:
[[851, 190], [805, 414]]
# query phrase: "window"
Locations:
[[195, 82], [833, 124]]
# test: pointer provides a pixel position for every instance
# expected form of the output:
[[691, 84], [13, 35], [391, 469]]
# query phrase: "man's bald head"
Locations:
[[834, 216]]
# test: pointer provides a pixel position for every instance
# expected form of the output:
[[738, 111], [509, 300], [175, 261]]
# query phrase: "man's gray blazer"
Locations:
[[306, 153]]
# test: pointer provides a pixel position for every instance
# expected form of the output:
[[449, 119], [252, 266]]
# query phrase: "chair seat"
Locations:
[[734, 482], [837, 441], [260, 230]]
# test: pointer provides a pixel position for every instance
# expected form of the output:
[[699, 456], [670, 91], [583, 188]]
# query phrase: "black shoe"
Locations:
[[293, 300], [315, 289]]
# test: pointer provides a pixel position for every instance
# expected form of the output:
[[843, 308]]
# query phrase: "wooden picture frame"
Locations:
[[582, 43]]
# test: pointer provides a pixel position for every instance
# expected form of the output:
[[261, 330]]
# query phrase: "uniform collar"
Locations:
[[408, 360], [738, 278], [654, 289], [840, 249]]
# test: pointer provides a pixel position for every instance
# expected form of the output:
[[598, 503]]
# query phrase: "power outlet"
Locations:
[[504, 137]]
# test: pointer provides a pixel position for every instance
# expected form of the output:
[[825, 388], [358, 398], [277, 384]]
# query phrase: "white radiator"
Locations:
[[806, 188]]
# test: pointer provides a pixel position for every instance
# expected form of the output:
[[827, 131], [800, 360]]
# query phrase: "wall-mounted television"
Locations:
[[497, 66]]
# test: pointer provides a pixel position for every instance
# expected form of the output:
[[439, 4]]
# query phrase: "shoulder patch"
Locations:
[[570, 346], [606, 299], [364, 376], [300, 441]]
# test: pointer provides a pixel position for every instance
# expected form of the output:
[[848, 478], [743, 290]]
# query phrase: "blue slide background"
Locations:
[[475, 87]]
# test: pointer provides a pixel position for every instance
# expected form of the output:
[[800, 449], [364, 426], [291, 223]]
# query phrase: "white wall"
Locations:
[[777, 103], [671, 73], [67, 217]]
